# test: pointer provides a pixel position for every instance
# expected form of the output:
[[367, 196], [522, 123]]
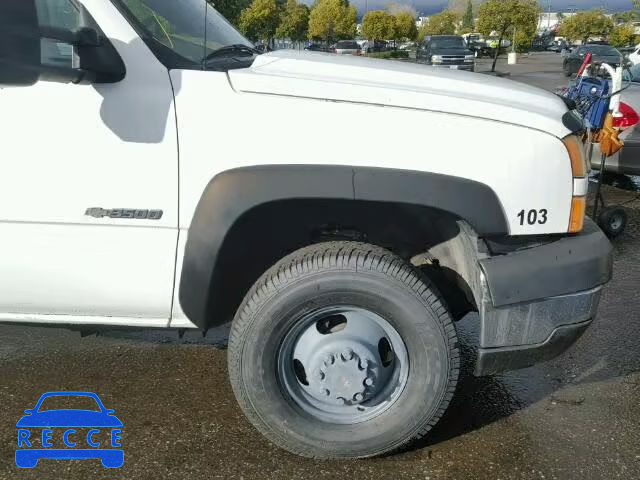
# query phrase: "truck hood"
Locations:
[[401, 84]]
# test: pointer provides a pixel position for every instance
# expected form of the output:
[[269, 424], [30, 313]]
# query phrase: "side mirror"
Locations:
[[30, 52]]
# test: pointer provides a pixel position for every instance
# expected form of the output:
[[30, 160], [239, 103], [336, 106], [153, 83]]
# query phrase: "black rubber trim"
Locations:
[[569, 265], [232, 193], [495, 360], [571, 119]]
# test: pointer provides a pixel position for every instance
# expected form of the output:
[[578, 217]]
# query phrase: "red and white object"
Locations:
[[627, 117]]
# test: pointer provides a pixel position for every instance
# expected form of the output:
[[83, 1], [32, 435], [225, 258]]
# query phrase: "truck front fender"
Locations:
[[233, 193]]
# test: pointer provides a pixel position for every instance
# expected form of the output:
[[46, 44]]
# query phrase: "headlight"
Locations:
[[468, 58], [436, 59]]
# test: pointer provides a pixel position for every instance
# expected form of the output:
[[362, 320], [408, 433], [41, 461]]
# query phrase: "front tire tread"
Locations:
[[341, 255]]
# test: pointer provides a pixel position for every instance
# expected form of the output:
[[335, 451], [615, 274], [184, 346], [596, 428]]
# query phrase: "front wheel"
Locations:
[[343, 350]]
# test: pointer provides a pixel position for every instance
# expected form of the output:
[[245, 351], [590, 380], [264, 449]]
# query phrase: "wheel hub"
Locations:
[[343, 377], [343, 364]]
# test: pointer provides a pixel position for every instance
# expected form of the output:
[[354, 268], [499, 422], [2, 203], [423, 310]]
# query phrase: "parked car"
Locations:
[[407, 46], [317, 47], [558, 46], [375, 46], [263, 47], [634, 57], [631, 85], [450, 51], [480, 49], [601, 54], [346, 47], [627, 160], [133, 195]]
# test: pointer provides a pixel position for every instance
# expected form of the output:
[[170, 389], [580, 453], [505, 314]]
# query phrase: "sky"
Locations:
[[428, 7]]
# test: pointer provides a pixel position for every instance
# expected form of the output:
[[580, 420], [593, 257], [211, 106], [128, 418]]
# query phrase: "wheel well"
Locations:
[[270, 231]]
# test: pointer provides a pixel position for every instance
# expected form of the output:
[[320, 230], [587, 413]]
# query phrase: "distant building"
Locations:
[[421, 21]]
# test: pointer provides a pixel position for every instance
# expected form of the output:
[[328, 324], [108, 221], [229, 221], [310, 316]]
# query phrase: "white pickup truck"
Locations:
[[157, 172]]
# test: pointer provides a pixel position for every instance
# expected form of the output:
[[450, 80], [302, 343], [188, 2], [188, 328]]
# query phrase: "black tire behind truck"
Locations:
[[343, 350]]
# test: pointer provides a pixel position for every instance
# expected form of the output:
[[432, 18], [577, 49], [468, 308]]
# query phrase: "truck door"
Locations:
[[88, 185]]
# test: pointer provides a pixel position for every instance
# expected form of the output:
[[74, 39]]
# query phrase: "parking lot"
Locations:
[[575, 417]]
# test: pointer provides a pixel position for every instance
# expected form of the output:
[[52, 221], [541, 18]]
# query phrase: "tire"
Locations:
[[612, 221], [567, 70], [381, 288]]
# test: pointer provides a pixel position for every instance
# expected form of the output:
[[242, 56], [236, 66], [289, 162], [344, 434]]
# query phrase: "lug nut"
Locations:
[[320, 374], [358, 397], [330, 359], [347, 354], [368, 381]]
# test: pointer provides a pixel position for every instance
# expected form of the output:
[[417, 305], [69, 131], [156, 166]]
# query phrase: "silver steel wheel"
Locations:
[[343, 364]]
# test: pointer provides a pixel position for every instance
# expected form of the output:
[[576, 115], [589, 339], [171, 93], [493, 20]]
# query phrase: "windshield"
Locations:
[[182, 33], [447, 42], [604, 50]]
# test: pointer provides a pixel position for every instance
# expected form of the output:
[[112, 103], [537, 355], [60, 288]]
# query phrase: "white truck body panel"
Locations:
[[516, 162], [116, 146], [74, 147], [392, 83]]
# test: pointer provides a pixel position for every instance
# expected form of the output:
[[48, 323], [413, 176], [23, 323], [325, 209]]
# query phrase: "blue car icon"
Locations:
[[99, 420]]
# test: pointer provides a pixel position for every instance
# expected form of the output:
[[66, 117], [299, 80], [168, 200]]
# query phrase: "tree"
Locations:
[[443, 23], [622, 36], [626, 17], [378, 25], [259, 20], [230, 9], [583, 25], [503, 16], [332, 19], [467, 19], [405, 26], [294, 21]]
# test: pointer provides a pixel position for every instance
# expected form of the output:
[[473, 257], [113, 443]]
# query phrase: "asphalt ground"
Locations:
[[576, 417], [541, 69]]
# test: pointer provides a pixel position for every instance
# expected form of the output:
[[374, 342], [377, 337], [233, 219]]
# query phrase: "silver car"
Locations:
[[347, 47], [627, 160]]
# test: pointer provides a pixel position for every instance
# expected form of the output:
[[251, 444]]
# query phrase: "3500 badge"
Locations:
[[129, 213]]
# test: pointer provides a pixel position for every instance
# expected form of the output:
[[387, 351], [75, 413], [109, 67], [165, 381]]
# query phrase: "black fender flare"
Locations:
[[232, 193]]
